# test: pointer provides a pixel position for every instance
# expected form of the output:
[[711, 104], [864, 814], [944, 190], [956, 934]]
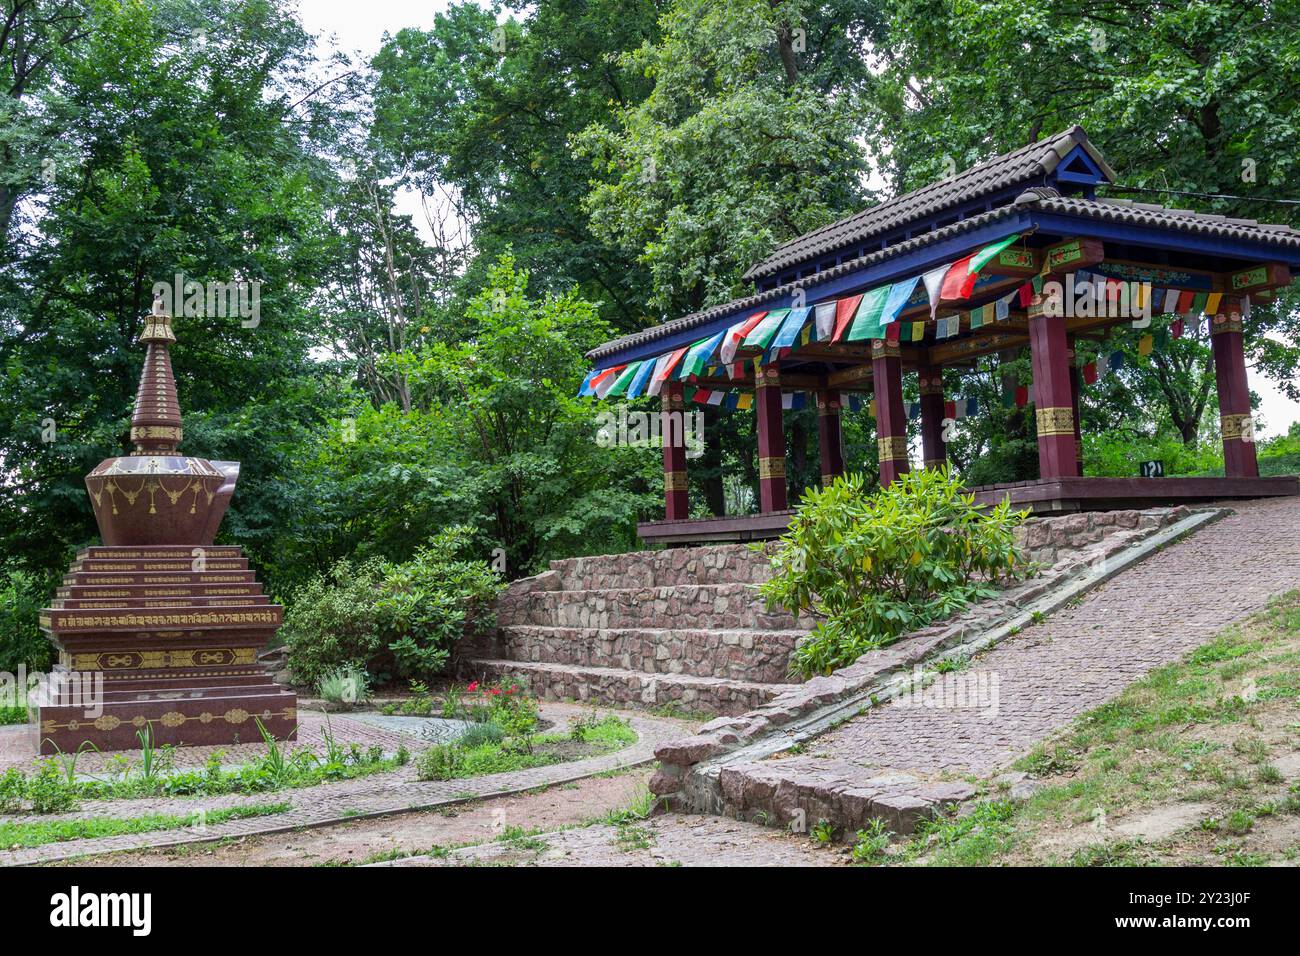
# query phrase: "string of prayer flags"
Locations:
[[736, 334], [699, 355], [763, 333], [789, 332], [602, 383], [662, 370], [900, 293], [638, 384], [625, 379]]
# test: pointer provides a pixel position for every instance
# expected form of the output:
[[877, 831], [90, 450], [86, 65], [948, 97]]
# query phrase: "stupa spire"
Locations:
[[156, 421]]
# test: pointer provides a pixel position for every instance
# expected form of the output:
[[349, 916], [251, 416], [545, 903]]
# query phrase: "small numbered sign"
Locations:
[[1153, 469]]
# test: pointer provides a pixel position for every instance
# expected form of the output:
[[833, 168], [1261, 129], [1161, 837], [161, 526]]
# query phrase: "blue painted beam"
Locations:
[[1156, 238], [891, 270]]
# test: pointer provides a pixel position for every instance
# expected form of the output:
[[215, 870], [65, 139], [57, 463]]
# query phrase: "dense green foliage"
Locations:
[[395, 621], [869, 565]]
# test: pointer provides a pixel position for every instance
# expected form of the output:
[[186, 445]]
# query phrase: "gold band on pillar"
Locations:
[[936, 463], [767, 376], [771, 468], [931, 386], [828, 480], [1225, 322], [1241, 427], [674, 481], [1055, 421], [883, 348], [892, 448]]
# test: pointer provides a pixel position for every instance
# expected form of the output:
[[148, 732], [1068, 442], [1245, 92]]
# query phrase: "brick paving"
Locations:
[[1081, 657], [394, 792]]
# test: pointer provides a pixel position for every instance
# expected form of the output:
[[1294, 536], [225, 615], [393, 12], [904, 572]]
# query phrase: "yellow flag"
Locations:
[[1212, 303], [918, 331], [1145, 344], [871, 408], [745, 400]]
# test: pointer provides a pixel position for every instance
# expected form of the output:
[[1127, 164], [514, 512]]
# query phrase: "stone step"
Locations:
[[803, 791], [683, 606], [619, 687], [720, 564], [756, 656]]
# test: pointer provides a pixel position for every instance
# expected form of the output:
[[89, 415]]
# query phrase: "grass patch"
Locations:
[[40, 833], [589, 737]]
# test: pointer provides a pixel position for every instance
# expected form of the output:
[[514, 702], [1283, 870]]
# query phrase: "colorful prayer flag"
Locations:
[[585, 388], [1090, 373], [825, 320], [899, 294], [1176, 328], [736, 334], [918, 331], [934, 286], [1022, 396], [959, 282], [1145, 344], [845, 310], [699, 354], [638, 383], [866, 323], [1212, 303]]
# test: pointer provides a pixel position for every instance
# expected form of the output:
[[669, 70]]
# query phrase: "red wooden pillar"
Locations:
[[891, 417], [1234, 397], [771, 440], [830, 436], [1076, 388], [934, 450], [1054, 406], [672, 422]]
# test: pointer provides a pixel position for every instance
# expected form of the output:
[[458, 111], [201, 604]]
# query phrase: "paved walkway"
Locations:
[[673, 839], [1081, 657], [394, 792]]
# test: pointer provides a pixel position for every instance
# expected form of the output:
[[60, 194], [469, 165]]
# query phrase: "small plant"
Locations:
[[345, 686], [872, 842], [419, 704], [13, 787], [478, 734], [823, 832], [49, 790], [582, 727]]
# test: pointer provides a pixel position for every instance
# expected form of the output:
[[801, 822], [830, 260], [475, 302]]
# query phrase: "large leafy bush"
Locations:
[[870, 565], [21, 642], [398, 621]]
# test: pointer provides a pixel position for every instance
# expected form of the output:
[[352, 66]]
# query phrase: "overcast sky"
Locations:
[[358, 26]]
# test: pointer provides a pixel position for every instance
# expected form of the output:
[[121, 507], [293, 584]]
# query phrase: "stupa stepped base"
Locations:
[[155, 639]]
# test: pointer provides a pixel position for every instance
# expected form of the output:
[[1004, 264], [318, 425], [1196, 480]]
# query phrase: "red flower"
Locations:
[[473, 686], [496, 691]]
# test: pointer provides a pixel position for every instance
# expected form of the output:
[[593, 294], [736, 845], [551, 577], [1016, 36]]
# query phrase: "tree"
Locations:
[[737, 147], [486, 110], [1199, 97]]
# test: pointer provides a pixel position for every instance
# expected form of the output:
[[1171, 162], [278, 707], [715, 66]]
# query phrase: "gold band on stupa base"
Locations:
[[1057, 420], [771, 468], [892, 448]]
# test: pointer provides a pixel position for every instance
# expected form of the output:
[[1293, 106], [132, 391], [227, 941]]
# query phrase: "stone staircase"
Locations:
[[683, 628]]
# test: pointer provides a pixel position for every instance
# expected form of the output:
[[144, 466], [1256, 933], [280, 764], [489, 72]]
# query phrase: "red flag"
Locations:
[[1026, 293], [1090, 373], [1022, 395], [949, 409], [892, 331], [1176, 328], [1184, 303], [845, 309], [959, 282]]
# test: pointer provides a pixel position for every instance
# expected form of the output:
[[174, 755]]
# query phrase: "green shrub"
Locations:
[[871, 565], [1281, 455], [479, 734], [13, 787], [21, 642], [439, 762], [50, 791], [397, 621]]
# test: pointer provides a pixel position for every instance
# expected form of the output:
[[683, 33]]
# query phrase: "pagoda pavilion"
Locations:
[[985, 261]]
